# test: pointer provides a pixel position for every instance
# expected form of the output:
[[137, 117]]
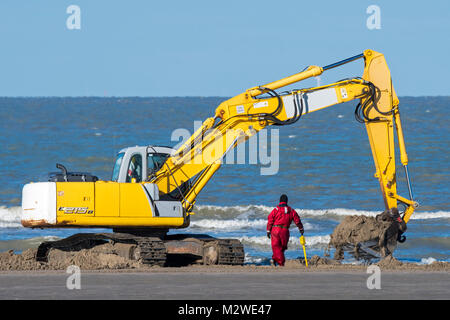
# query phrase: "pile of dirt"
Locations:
[[357, 229], [106, 256], [24, 261], [389, 262], [314, 261], [319, 261], [438, 266], [120, 256]]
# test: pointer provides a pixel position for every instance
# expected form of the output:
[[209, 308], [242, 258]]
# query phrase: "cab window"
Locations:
[[135, 168], [116, 170], [155, 161]]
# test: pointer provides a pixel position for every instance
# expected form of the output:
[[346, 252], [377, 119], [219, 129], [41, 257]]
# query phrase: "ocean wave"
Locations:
[[258, 210], [23, 244], [10, 217], [236, 224], [255, 260], [263, 241], [232, 211], [237, 217], [428, 260], [350, 212]]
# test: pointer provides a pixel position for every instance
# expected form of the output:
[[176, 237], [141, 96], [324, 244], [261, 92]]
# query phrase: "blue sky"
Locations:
[[213, 48]]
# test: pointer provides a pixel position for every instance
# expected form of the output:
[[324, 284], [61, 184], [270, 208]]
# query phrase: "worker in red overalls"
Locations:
[[278, 224]]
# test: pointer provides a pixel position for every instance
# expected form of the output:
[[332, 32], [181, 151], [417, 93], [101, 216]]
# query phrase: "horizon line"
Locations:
[[145, 97]]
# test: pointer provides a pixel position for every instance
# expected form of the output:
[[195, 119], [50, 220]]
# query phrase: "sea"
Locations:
[[323, 163]]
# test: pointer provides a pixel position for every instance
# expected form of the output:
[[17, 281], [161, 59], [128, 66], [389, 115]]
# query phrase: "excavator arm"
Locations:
[[186, 172]]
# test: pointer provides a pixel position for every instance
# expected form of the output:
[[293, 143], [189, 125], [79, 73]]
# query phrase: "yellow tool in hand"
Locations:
[[302, 242]]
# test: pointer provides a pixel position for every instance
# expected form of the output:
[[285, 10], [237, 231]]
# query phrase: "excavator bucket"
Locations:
[[367, 238]]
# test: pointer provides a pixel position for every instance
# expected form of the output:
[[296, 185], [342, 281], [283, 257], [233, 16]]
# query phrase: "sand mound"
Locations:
[[389, 262], [313, 261], [319, 261], [106, 256], [24, 261]]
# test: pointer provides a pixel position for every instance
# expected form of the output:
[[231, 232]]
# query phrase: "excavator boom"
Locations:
[[242, 116]]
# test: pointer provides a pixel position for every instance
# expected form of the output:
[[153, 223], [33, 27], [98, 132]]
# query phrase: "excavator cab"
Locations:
[[139, 163]]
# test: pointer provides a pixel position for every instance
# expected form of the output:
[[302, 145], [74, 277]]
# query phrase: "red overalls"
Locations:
[[278, 224]]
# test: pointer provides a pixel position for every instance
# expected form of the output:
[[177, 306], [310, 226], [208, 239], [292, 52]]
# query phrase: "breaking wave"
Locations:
[[236, 224], [23, 244], [263, 241], [253, 211], [238, 217], [255, 260], [428, 260], [10, 217]]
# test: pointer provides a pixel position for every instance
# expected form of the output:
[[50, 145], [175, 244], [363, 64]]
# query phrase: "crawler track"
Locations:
[[231, 252], [150, 250], [153, 250]]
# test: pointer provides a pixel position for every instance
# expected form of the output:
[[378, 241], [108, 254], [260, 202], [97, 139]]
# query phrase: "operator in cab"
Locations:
[[279, 221]]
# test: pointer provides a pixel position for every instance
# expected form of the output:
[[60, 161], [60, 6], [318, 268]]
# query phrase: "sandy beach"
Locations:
[[323, 279], [105, 272]]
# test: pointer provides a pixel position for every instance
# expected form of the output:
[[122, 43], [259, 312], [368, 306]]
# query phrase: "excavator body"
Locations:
[[153, 189], [123, 202]]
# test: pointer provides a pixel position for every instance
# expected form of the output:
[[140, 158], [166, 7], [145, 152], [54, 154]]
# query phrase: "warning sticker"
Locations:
[[261, 104], [240, 109]]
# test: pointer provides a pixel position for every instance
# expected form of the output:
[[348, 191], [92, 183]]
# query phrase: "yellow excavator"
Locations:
[[154, 188]]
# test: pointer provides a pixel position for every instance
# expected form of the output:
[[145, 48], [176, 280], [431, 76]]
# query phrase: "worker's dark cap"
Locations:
[[284, 198]]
